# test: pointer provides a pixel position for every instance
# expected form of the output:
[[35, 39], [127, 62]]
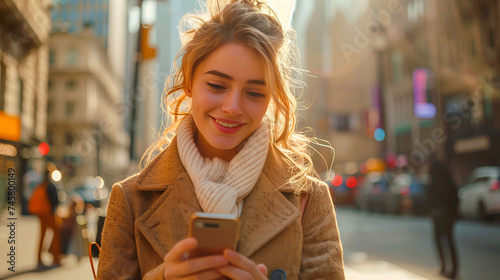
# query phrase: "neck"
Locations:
[[207, 151]]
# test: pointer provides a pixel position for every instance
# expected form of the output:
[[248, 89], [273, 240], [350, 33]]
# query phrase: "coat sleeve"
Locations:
[[118, 257], [322, 250]]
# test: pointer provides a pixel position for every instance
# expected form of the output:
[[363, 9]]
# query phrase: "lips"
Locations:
[[227, 126]]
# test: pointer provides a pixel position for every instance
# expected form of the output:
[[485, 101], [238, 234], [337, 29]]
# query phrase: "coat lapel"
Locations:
[[266, 210], [166, 221]]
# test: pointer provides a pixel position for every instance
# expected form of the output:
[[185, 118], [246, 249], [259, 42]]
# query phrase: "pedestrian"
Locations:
[[230, 148], [443, 207], [48, 219], [71, 236]]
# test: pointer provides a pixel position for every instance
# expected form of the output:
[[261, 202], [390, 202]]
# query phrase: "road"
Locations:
[[375, 240], [375, 247]]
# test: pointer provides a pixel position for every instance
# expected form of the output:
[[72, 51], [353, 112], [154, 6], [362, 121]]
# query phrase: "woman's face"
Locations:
[[229, 99]]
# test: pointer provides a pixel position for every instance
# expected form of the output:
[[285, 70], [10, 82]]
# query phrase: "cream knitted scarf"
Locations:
[[221, 186]]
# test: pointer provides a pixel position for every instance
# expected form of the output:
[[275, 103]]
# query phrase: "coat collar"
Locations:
[[266, 210]]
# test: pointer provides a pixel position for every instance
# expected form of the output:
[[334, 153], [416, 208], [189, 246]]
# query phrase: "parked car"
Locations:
[[411, 192], [479, 194], [341, 194], [376, 195]]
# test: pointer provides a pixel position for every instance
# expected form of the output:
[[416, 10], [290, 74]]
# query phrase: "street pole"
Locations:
[[133, 109]]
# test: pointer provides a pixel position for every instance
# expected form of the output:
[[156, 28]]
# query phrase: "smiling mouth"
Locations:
[[228, 125]]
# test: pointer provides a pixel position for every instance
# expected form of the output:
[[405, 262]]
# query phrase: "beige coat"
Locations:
[[149, 212]]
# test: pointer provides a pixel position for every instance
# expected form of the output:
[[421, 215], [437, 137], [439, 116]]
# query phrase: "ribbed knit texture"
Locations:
[[221, 186]]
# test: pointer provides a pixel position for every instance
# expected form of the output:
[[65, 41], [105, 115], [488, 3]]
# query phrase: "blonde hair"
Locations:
[[254, 24]]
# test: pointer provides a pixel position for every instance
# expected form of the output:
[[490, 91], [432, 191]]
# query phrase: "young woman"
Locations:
[[231, 149]]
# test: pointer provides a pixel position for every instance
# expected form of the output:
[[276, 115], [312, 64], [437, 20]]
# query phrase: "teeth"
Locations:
[[226, 124]]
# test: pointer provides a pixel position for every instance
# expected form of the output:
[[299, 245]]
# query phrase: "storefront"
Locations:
[[473, 129]]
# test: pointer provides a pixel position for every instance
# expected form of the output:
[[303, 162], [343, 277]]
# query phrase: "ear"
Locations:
[[188, 92]]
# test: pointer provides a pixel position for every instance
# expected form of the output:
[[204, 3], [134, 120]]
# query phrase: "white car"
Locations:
[[480, 193]]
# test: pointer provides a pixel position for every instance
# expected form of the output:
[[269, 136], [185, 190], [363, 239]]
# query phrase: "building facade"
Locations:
[[85, 111], [24, 55], [341, 93], [457, 44]]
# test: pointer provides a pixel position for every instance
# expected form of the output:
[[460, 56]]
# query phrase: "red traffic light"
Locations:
[[43, 148]]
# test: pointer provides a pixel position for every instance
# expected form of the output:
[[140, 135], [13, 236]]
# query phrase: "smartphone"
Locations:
[[214, 232]]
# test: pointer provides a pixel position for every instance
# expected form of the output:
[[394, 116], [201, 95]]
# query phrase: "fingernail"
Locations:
[[184, 257]]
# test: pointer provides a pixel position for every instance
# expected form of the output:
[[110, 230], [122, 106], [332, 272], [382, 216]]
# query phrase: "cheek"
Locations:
[[259, 110], [200, 98]]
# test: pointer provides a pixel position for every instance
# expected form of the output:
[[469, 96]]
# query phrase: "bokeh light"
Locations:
[[43, 148], [351, 182], [337, 180], [351, 168], [379, 134], [56, 175], [98, 182]]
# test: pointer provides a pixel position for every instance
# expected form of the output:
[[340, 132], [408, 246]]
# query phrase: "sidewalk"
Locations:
[[27, 235]]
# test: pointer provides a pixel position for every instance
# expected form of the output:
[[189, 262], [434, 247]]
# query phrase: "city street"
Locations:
[[376, 246], [394, 104], [376, 240]]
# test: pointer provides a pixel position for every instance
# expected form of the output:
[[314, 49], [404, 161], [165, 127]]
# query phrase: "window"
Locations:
[[488, 27], [50, 138], [52, 57], [71, 57], [21, 90], [73, 16], [71, 85], [480, 180], [3, 70], [51, 85], [69, 138], [343, 122], [50, 109], [70, 108], [63, 14]]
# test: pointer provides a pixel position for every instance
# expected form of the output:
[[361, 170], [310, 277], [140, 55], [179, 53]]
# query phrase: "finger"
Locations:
[[195, 266], [262, 268], [242, 262], [205, 275], [180, 248], [233, 272]]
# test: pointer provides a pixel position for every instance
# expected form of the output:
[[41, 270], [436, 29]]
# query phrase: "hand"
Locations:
[[176, 267], [240, 267]]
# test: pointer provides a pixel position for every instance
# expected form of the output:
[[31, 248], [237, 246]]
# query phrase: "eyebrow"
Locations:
[[225, 76]]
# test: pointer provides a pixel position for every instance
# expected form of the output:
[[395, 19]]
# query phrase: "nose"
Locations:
[[232, 103]]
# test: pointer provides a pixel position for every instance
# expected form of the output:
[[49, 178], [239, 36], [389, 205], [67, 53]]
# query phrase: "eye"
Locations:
[[254, 94], [216, 87]]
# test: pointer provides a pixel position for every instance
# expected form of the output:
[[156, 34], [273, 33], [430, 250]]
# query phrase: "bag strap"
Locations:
[[304, 197], [90, 257]]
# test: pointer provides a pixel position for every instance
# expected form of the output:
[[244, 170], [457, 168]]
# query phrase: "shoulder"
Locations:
[[315, 185], [127, 183], [51, 187]]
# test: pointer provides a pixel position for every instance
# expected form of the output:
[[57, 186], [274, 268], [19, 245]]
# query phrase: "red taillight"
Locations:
[[405, 191], [337, 180], [495, 185], [351, 182]]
